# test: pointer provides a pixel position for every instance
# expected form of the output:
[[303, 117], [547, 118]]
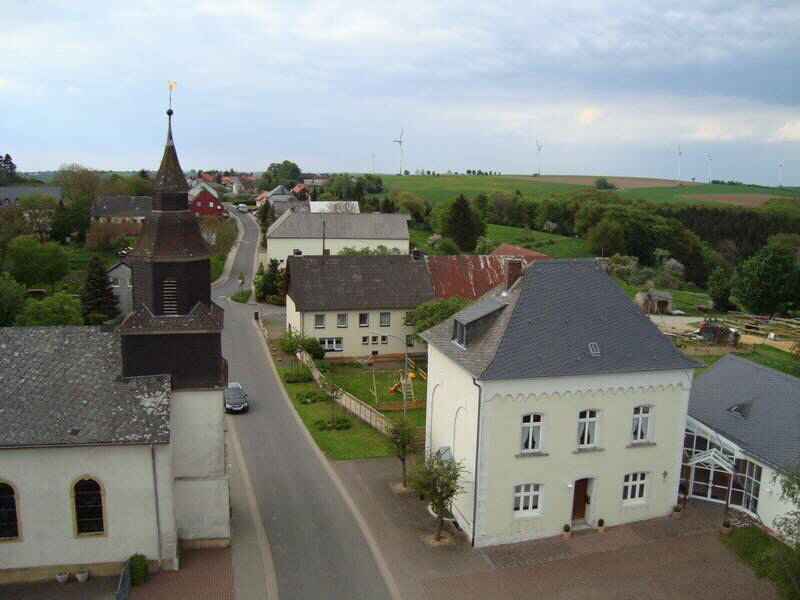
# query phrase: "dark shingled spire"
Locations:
[[170, 190]]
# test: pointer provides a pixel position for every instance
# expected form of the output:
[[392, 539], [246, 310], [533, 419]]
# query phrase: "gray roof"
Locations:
[[553, 313], [279, 191], [357, 282], [62, 386], [768, 400], [9, 195], [123, 206], [294, 224]]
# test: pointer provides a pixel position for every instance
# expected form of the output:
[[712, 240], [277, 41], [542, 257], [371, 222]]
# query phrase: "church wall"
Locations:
[[43, 479]]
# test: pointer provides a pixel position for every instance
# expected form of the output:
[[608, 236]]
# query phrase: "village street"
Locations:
[[316, 544]]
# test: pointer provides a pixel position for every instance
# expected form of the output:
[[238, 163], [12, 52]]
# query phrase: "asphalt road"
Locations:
[[317, 547]]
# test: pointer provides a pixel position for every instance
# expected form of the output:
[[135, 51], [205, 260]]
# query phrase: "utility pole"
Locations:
[[680, 154]]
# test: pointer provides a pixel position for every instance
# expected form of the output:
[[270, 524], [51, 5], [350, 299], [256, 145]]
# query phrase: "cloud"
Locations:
[[590, 115], [72, 90], [788, 132]]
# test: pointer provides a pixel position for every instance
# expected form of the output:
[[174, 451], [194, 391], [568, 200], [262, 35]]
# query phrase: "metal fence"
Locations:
[[124, 585]]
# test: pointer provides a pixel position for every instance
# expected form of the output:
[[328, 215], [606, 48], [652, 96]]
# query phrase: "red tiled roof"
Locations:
[[206, 177], [509, 250]]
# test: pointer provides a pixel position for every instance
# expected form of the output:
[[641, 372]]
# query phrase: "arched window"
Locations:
[[169, 295], [9, 525], [87, 496]]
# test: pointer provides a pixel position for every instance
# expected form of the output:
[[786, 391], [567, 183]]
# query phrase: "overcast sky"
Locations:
[[608, 88]]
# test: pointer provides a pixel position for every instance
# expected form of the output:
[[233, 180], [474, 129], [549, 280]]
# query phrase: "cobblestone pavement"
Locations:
[[95, 588], [654, 559], [204, 575]]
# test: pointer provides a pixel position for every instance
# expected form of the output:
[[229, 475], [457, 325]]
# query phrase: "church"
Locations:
[[112, 440]]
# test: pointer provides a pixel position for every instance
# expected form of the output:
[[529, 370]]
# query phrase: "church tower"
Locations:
[[174, 327]]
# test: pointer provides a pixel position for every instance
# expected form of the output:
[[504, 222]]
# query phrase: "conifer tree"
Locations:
[[98, 302]]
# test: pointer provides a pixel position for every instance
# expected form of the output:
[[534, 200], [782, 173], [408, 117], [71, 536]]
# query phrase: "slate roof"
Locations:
[[768, 400], [122, 206], [9, 195], [357, 282], [553, 312], [279, 191], [62, 386], [171, 235], [293, 224]]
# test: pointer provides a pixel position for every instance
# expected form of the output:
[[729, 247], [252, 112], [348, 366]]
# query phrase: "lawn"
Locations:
[[360, 441], [751, 545], [555, 246], [360, 385], [78, 260]]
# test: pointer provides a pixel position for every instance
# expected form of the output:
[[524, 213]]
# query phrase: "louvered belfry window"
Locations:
[[169, 296]]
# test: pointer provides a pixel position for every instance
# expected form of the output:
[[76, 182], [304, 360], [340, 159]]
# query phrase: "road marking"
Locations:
[[270, 578], [380, 561]]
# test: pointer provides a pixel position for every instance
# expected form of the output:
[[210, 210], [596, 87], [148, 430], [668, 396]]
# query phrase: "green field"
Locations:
[[769, 356], [78, 260], [445, 187]]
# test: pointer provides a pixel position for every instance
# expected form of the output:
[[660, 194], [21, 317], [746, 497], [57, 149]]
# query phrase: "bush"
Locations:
[[311, 396], [566, 528], [301, 377], [138, 566], [342, 423], [601, 183], [312, 347], [241, 296], [276, 299]]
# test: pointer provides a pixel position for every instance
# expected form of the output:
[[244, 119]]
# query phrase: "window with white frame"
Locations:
[[587, 428], [374, 339], [641, 423], [341, 320], [634, 487], [527, 499], [459, 333], [532, 432], [115, 282], [365, 340], [746, 484], [319, 321], [386, 319], [363, 319], [331, 344], [384, 339]]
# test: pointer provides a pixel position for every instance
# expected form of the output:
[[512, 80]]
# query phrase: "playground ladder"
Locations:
[[408, 390]]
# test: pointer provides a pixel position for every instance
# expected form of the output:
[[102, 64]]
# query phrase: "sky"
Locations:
[[606, 88]]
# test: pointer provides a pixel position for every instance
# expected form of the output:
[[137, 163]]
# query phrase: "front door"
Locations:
[[579, 499]]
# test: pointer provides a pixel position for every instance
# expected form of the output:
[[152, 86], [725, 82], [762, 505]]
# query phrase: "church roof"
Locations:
[[61, 386], [170, 177]]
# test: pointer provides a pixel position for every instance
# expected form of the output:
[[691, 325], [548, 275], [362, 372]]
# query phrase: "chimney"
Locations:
[[513, 271]]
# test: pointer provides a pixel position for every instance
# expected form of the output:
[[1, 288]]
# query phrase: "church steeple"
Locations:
[[170, 190]]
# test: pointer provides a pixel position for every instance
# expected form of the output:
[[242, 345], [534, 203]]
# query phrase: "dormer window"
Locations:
[[459, 333]]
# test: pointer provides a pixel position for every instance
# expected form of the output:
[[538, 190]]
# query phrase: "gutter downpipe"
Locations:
[[477, 454], [155, 495]]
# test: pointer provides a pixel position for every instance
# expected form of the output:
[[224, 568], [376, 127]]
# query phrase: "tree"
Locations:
[[601, 183], [31, 262], [8, 170], [447, 247], [98, 302], [12, 298], [462, 223], [58, 309], [606, 238], [768, 281], [258, 283], [78, 183], [439, 481], [402, 436], [781, 562], [39, 210], [719, 288], [433, 312], [285, 173], [484, 246], [73, 219]]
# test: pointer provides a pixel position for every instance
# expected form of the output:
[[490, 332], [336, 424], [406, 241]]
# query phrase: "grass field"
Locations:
[[360, 385], [360, 441], [751, 545], [769, 356], [445, 187]]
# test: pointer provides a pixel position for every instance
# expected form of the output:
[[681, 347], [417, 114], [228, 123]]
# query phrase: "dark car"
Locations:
[[235, 398]]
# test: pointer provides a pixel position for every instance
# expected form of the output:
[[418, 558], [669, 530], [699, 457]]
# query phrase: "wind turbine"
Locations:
[[680, 154], [539, 154], [708, 179], [780, 174], [399, 141]]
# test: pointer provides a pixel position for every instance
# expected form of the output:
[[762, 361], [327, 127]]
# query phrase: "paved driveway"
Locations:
[[654, 559]]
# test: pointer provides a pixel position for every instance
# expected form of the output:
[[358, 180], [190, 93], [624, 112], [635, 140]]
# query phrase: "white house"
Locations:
[[297, 233], [122, 285], [743, 426], [565, 404], [334, 206], [356, 305]]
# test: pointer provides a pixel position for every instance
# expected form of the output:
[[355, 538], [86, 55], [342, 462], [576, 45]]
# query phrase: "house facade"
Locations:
[[356, 305], [204, 201], [741, 430], [122, 285], [564, 404], [297, 233], [122, 209]]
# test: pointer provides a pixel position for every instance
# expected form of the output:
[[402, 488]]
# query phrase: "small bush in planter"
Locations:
[[601, 523], [677, 508], [726, 524], [566, 528], [138, 566]]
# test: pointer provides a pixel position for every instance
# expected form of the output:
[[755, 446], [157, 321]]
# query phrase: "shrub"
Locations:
[[301, 377], [312, 347], [241, 296], [310, 397], [138, 566], [276, 299], [677, 508], [566, 528], [601, 522], [601, 183], [101, 236], [342, 423], [726, 524]]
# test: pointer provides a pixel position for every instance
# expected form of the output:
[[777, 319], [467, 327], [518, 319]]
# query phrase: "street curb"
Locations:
[[268, 567], [383, 567], [226, 270]]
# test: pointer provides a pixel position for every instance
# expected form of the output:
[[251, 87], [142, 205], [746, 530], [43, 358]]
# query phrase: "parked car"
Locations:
[[242, 208], [235, 398]]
